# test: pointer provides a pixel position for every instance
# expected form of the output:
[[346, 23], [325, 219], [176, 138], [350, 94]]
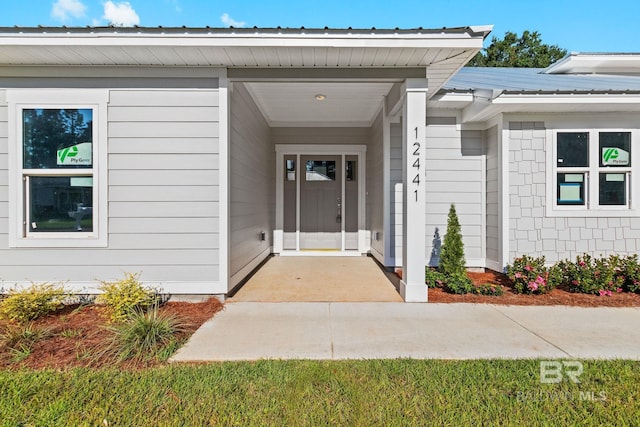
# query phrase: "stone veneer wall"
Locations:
[[531, 232]]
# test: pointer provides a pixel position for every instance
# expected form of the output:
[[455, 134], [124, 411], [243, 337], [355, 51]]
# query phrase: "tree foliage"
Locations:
[[452, 261], [526, 51], [47, 130]]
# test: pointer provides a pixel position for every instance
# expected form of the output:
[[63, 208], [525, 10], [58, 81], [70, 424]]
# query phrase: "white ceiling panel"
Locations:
[[294, 104]]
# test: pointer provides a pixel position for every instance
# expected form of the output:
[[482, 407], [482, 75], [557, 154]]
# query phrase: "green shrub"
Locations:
[[124, 296], [530, 275], [433, 278], [30, 303], [489, 289], [600, 276], [459, 284], [452, 261], [630, 272], [145, 335]]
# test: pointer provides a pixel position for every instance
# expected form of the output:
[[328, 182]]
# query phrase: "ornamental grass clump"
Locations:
[[530, 275], [20, 339], [24, 305], [124, 296], [145, 335]]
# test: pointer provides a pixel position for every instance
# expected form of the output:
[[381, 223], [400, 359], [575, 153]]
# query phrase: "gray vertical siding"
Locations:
[[163, 207], [396, 193], [251, 183], [557, 238], [375, 187], [454, 174], [493, 195]]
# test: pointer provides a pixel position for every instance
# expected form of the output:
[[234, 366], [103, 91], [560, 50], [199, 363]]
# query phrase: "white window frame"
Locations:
[[592, 208], [20, 99]]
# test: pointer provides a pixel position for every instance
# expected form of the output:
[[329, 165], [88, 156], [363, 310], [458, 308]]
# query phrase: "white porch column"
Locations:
[[414, 121]]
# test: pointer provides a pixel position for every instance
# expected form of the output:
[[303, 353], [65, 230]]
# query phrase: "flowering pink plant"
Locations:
[[599, 276], [530, 275]]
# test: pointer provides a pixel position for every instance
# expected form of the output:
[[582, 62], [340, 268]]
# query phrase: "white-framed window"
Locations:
[[591, 172], [57, 168]]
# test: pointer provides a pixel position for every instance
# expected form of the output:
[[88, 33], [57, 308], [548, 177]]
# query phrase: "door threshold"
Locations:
[[312, 252]]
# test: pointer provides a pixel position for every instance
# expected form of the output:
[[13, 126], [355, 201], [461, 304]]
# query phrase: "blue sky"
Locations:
[[576, 25]]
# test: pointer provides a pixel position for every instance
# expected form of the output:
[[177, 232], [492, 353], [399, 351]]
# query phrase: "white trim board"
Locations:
[[298, 150], [173, 287], [247, 269], [224, 118], [327, 253]]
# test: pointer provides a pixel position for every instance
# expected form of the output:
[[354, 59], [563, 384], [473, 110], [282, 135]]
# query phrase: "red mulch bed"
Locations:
[[86, 336], [555, 297]]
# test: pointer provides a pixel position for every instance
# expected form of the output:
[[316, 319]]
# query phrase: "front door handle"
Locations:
[[339, 216]]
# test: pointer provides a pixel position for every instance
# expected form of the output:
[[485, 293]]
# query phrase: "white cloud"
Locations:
[[120, 14], [63, 10], [176, 5], [230, 22]]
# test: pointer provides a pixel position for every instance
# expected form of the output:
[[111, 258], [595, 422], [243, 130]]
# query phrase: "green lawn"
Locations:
[[385, 393]]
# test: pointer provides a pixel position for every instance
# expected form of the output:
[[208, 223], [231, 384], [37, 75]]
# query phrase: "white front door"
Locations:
[[320, 199]]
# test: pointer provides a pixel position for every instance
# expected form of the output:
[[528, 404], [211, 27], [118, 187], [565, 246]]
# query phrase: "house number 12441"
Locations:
[[416, 164]]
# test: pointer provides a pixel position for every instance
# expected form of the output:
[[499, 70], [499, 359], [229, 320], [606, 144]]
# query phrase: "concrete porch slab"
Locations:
[[318, 279]]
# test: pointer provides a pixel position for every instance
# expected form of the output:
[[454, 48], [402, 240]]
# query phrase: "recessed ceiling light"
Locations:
[[320, 97]]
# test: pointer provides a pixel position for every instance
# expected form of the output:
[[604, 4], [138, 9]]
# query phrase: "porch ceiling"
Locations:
[[295, 103]]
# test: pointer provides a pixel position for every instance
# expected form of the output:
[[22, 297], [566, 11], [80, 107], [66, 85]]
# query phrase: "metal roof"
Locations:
[[532, 80], [473, 31], [627, 63]]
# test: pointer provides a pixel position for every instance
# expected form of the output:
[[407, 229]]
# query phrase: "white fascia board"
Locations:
[[485, 108], [586, 63], [526, 99], [463, 41], [464, 97]]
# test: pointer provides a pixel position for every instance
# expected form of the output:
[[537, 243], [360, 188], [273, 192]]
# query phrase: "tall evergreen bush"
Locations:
[[452, 261]]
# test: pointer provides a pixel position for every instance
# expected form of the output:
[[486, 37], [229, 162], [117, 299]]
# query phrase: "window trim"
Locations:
[[19, 99], [591, 208]]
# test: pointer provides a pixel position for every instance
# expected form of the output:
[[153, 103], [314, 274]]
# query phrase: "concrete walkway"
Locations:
[[251, 331]]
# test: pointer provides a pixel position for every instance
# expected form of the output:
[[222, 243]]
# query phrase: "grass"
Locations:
[[387, 392], [20, 339], [71, 333], [27, 334]]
